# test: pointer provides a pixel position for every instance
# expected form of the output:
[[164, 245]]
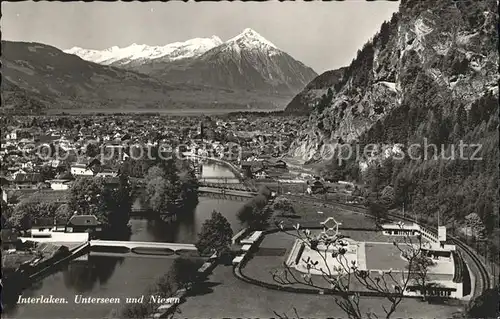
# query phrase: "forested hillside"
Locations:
[[429, 76]]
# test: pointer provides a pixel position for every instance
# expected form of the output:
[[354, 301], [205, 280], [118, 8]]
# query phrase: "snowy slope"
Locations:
[[247, 61], [251, 39], [142, 53]]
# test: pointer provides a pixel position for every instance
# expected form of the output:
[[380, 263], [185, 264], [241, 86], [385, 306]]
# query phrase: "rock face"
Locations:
[[304, 102], [432, 55]]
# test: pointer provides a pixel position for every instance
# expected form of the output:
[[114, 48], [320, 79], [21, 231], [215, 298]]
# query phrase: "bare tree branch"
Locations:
[[339, 278]]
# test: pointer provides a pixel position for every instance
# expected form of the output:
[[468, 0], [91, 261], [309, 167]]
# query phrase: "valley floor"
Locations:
[[131, 111]]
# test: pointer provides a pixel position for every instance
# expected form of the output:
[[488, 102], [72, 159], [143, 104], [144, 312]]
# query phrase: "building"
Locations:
[[317, 187], [9, 238], [83, 223], [279, 164], [106, 172], [79, 169], [59, 184], [12, 135], [27, 180]]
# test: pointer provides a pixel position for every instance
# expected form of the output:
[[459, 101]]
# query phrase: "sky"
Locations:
[[322, 35]]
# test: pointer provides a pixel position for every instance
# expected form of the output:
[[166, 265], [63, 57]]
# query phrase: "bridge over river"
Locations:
[[141, 249], [212, 192]]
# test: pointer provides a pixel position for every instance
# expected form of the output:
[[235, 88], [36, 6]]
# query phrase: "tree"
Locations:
[[120, 199], [110, 204], [189, 188], [47, 172], [475, 224], [378, 211], [6, 214], [284, 207], [254, 214], [216, 235], [389, 284], [21, 217], [486, 305], [419, 272], [182, 273], [387, 196], [169, 189], [265, 191], [92, 150]]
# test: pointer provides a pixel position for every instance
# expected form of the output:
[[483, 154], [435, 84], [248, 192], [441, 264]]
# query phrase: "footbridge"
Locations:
[[224, 184], [225, 193], [141, 249]]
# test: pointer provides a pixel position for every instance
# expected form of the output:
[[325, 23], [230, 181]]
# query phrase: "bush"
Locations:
[[254, 214], [216, 234], [378, 211], [284, 207], [265, 191]]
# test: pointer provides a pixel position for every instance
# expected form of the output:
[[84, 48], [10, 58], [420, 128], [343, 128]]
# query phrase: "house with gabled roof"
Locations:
[[83, 223], [27, 180], [80, 169]]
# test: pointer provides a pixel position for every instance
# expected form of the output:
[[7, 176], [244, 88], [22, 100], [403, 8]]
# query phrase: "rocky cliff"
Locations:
[[432, 55]]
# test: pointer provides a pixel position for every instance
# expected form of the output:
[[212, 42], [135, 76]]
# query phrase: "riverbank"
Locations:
[[44, 258], [105, 276], [163, 297]]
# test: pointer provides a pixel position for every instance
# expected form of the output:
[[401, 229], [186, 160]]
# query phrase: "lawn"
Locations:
[[225, 296], [307, 215], [384, 257]]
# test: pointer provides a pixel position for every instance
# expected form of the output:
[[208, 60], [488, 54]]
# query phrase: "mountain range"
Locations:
[[245, 72], [247, 61], [140, 54]]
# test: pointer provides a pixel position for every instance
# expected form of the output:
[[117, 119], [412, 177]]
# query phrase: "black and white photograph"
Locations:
[[248, 159]]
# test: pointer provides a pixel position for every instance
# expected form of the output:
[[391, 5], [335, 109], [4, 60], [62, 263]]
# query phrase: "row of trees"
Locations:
[[28, 212], [110, 203]]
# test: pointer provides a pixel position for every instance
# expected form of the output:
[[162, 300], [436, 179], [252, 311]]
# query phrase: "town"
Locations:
[[58, 171], [275, 159]]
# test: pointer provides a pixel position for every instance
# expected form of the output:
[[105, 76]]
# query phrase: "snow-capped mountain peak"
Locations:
[[250, 38], [142, 52]]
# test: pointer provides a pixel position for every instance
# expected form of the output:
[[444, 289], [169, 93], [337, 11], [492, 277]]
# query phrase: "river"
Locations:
[[102, 276]]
